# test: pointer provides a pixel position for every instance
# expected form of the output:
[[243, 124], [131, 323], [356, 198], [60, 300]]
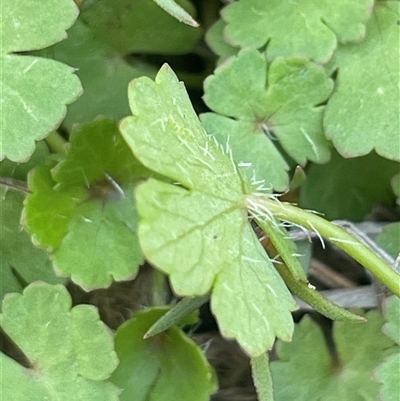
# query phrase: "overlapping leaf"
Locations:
[[363, 113], [140, 26], [34, 91], [103, 72], [90, 228], [20, 261], [360, 348], [296, 28], [167, 367], [70, 350], [360, 183], [252, 100], [197, 231]]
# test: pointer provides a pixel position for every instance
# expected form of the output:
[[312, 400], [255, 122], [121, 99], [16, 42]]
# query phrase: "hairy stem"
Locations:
[[262, 204]]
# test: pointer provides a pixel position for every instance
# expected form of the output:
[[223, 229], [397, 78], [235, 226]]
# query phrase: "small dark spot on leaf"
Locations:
[[215, 236], [105, 189]]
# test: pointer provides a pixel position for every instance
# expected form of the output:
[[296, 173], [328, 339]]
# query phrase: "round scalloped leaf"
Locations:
[[90, 228], [140, 27], [71, 351], [34, 91], [360, 183], [197, 231], [296, 28], [20, 261], [283, 99], [104, 74], [166, 367], [363, 112], [360, 347]]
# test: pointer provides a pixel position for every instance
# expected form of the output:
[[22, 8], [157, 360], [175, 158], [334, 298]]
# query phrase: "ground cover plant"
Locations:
[[179, 147]]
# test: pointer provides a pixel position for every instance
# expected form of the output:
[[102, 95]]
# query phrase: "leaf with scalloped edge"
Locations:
[[360, 348], [34, 90], [253, 99], [363, 112], [70, 350], [90, 228], [296, 28], [20, 261], [148, 367], [196, 229]]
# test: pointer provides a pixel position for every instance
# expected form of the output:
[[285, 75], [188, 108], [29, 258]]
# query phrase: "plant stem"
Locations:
[[262, 377], [159, 288], [259, 204], [57, 143]]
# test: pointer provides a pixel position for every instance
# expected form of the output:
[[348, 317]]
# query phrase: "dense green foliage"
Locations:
[[108, 164]]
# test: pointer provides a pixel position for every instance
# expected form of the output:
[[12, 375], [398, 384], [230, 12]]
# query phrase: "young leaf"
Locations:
[[360, 183], [389, 239], [20, 261], [360, 348], [197, 230], [103, 72], [167, 367], [363, 112], [282, 98], [140, 27], [90, 228], [70, 350], [296, 28], [35, 91]]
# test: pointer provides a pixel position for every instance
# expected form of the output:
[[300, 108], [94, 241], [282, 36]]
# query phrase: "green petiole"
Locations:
[[261, 204]]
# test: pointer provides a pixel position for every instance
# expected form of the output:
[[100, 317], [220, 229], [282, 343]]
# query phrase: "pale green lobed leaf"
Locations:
[[360, 348], [91, 227], [296, 28], [280, 101], [70, 350], [34, 91], [197, 230], [363, 112]]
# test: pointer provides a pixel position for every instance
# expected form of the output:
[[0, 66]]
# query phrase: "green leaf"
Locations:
[[388, 373], [360, 183], [389, 239], [167, 367], [216, 41], [70, 350], [283, 98], [197, 231], [174, 9], [360, 348], [296, 28], [363, 112], [140, 27], [103, 72], [34, 91], [90, 228], [20, 261]]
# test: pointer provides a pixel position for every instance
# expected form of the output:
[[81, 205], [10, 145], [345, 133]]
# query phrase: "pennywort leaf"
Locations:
[[90, 228], [195, 229], [70, 350], [34, 91]]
